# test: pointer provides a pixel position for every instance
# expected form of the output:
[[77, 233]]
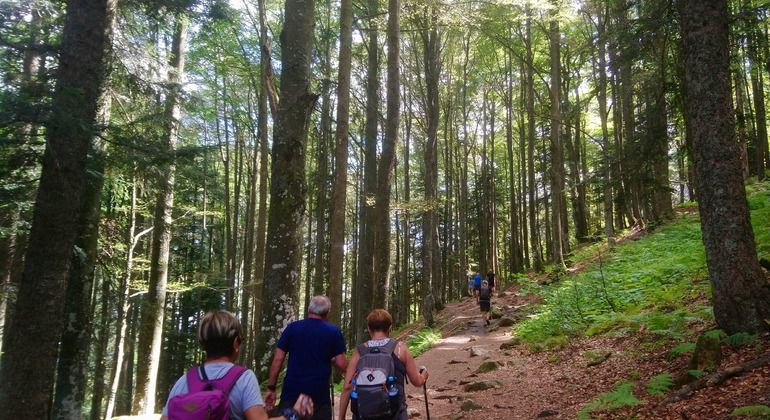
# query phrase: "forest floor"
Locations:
[[559, 383]]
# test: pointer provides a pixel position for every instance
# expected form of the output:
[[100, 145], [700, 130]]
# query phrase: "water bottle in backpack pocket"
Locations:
[[374, 384]]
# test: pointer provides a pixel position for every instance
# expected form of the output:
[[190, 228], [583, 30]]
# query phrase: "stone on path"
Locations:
[[482, 386], [506, 322], [469, 405], [496, 312], [513, 342], [413, 412], [489, 366], [547, 413], [478, 351]]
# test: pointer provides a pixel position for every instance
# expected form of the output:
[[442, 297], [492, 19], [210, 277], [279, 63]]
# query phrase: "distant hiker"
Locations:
[[491, 280], [476, 286], [485, 300], [219, 389], [374, 380], [313, 345]]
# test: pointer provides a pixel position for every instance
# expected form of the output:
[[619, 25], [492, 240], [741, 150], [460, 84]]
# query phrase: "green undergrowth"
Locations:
[[655, 284], [422, 341]]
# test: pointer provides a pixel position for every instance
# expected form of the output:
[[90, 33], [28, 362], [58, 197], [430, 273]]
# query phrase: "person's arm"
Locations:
[[416, 377], [340, 362], [303, 407], [345, 395], [272, 380]]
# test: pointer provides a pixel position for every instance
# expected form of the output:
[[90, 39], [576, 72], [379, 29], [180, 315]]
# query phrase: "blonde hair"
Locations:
[[217, 332]]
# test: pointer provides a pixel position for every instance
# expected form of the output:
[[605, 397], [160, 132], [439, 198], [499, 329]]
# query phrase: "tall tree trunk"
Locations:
[[262, 133], [406, 227], [432, 272], [537, 255], [609, 227], [557, 154], [740, 289], [35, 329], [72, 366], [339, 196], [123, 306], [153, 308], [387, 160], [288, 189]]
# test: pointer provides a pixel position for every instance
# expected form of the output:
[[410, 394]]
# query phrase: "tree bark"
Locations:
[[387, 160], [339, 195], [537, 255], [739, 287], [288, 189], [37, 323], [153, 307], [557, 153]]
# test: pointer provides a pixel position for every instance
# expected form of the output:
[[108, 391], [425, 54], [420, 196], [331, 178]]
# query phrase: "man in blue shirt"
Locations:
[[313, 345]]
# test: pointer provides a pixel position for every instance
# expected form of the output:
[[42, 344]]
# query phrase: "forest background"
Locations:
[[248, 155]]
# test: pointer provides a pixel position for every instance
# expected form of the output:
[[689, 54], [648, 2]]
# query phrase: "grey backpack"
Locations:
[[375, 383]]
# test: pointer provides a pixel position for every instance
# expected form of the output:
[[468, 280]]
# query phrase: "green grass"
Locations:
[[653, 284]]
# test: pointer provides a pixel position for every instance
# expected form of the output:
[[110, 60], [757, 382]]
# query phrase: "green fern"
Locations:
[[680, 350], [740, 339], [620, 396], [422, 341], [752, 411], [660, 384]]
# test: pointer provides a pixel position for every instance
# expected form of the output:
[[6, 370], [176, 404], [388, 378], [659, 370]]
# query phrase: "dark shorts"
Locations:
[[485, 305]]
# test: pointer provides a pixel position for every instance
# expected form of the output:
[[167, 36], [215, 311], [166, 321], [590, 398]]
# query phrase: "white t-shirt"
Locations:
[[244, 395]]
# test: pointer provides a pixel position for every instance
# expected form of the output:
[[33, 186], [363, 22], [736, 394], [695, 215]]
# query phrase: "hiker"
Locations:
[[313, 345], [485, 300], [220, 335], [491, 280], [376, 372], [471, 288], [476, 286]]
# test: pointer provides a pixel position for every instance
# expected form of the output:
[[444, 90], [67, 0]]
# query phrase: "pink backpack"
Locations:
[[206, 399]]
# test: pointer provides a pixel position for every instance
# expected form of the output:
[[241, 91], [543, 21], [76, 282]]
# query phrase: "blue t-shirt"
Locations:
[[244, 395], [311, 344]]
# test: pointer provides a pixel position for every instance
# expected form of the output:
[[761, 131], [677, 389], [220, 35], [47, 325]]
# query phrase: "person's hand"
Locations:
[[269, 400], [304, 406], [424, 372]]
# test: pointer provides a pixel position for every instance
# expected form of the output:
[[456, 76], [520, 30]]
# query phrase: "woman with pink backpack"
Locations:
[[218, 388]]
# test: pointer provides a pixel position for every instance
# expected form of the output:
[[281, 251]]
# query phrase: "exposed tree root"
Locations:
[[718, 378]]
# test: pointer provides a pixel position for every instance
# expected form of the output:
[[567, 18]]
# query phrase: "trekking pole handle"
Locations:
[[421, 368]]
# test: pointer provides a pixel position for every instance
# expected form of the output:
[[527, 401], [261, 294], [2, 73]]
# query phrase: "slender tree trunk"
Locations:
[[432, 272], [609, 227], [387, 160], [153, 308], [262, 133], [740, 288], [35, 329], [366, 248], [557, 154], [123, 306], [537, 255], [288, 188], [339, 197]]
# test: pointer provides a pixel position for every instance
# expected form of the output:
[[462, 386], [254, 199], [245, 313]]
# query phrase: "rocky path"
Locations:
[[472, 377]]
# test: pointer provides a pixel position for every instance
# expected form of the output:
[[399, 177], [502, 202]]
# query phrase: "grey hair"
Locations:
[[319, 305]]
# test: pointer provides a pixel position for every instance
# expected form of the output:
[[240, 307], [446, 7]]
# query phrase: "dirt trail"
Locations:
[[531, 385]]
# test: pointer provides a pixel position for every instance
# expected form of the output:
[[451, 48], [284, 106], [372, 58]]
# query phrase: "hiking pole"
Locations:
[[425, 392]]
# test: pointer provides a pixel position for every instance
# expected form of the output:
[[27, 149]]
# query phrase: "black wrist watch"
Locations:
[[290, 414], [271, 388]]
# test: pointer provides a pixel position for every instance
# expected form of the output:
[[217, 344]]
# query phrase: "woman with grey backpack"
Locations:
[[375, 377]]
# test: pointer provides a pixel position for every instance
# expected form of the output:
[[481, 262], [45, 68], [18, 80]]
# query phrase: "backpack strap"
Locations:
[[226, 383]]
